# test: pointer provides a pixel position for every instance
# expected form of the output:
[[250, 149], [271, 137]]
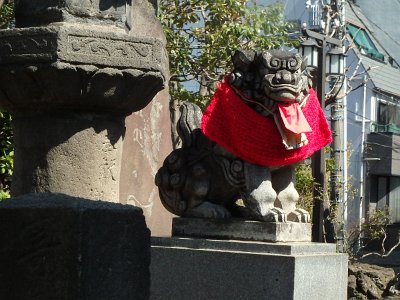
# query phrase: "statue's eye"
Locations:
[[293, 64], [274, 63], [271, 62]]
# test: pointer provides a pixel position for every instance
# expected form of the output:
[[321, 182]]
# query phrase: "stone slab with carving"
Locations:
[[83, 67], [147, 142], [263, 119]]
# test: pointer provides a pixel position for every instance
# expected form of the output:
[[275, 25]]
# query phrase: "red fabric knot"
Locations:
[[231, 123], [293, 118]]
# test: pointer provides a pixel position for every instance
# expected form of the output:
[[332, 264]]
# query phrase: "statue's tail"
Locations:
[[171, 177], [189, 124]]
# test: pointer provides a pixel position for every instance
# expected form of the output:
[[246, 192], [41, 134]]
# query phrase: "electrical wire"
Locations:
[[380, 28], [369, 32]]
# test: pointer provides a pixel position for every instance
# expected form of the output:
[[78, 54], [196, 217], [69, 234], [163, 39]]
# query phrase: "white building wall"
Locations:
[[356, 171]]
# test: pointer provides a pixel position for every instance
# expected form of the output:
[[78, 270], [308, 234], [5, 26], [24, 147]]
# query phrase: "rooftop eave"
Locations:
[[386, 92]]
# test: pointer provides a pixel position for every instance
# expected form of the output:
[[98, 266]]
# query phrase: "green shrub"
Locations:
[[6, 136], [304, 186], [6, 154], [7, 14]]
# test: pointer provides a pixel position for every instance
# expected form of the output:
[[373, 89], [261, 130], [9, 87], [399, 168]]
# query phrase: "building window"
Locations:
[[314, 17], [388, 194], [388, 113], [364, 42], [382, 200], [388, 118], [394, 199], [358, 112]]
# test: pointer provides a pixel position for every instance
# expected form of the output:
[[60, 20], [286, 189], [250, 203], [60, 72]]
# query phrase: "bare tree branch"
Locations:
[[384, 253]]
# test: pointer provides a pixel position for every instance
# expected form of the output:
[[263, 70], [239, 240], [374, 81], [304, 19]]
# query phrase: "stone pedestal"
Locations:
[[54, 246], [238, 229], [183, 268]]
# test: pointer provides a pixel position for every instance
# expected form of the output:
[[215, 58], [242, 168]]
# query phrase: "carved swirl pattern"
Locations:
[[115, 48], [22, 45]]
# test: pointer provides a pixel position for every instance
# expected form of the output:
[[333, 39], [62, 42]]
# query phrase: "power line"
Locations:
[[385, 32], [373, 35]]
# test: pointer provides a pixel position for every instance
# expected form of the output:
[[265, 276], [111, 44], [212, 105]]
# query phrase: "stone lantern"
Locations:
[[70, 73]]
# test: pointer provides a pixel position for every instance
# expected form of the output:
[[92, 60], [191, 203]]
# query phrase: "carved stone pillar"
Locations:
[[70, 73]]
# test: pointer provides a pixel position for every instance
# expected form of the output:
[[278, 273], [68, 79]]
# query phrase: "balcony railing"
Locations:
[[388, 128]]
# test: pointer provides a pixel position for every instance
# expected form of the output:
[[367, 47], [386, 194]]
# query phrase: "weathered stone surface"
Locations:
[[238, 229], [75, 154], [296, 248], [80, 67], [147, 142], [36, 13], [70, 82], [236, 271], [368, 281], [54, 246], [82, 43]]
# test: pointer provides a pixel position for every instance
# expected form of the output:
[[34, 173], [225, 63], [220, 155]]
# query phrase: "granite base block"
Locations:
[[55, 246], [238, 229], [187, 268]]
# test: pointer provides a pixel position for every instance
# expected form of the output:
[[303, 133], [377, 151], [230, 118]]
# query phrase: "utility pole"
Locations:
[[337, 178], [339, 144], [318, 159], [329, 41]]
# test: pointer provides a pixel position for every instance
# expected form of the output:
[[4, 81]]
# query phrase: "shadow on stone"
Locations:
[[59, 247]]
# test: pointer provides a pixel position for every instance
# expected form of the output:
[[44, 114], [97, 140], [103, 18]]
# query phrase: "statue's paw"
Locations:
[[299, 215], [208, 210], [275, 214]]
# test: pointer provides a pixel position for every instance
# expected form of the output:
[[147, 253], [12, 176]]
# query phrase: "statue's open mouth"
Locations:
[[282, 92], [294, 86], [284, 87]]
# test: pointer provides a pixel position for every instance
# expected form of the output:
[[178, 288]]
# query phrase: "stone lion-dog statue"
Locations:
[[263, 119]]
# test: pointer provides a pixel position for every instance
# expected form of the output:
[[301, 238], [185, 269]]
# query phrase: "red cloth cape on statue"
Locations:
[[231, 123]]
